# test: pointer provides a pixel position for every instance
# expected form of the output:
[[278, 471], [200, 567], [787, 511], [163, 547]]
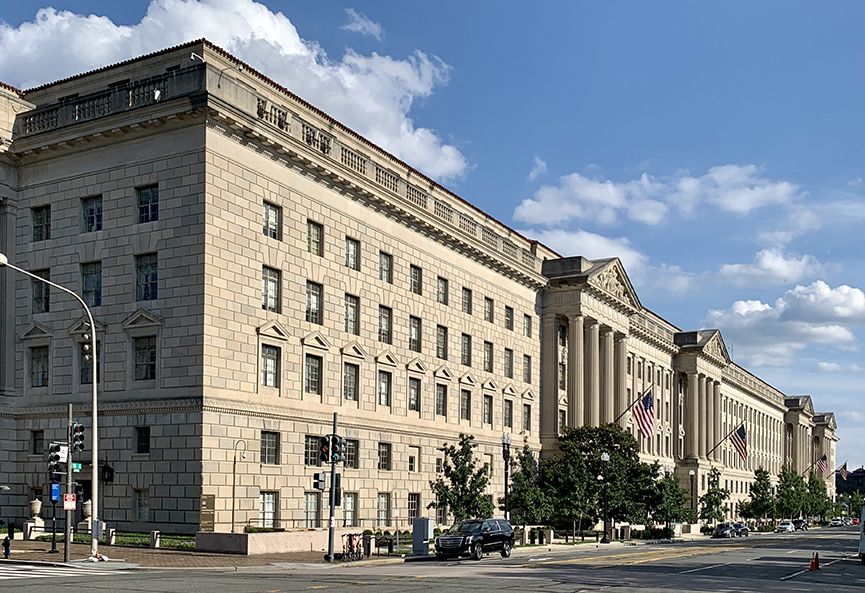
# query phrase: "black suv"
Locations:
[[473, 537]]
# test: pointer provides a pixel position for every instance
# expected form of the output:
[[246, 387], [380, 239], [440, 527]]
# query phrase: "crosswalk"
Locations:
[[9, 571]]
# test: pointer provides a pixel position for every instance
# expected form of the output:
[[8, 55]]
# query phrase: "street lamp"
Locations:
[[234, 476], [605, 458], [506, 455], [693, 475], [94, 477]]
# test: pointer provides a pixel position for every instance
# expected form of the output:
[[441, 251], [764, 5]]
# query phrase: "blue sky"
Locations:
[[717, 147]]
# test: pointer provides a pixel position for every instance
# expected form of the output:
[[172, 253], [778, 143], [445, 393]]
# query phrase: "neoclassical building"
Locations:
[[254, 266]]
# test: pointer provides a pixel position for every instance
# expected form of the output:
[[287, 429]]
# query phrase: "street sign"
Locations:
[[68, 502], [76, 467], [55, 492]]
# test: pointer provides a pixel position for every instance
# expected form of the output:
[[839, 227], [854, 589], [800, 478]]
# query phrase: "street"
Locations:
[[760, 563]]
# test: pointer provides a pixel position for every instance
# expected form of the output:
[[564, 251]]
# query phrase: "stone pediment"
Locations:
[[316, 340], [468, 379], [443, 372], [273, 330], [416, 366], [528, 394], [509, 390], [716, 348], [354, 350], [142, 319], [490, 385], [800, 403], [611, 279], [387, 358], [79, 326], [826, 419], [37, 331]]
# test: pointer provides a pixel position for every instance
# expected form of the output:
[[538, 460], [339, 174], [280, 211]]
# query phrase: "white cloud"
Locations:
[[856, 182], [854, 415], [738, 189], [772, 266], [829, 367], [372, 94], [360, 23], [819, 302], [539, 167], [592, 246]]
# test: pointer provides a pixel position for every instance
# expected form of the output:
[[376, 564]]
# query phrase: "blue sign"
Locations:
[[55, 492]]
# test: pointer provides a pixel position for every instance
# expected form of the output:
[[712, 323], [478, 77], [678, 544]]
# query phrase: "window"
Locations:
[[414, 334], [465, 404], [467, 300], [141, 504], [314, 296], [442, 342], [509, 363], [527, 368], [488, 357], [488, 409], [142, 440], [385, 324], [384, 508], [509, 318], [384, 456], [148, 203], [416, 278], [267, 508], [413, 505], [466, 355], [312, 509], [414, 394], [312, 373], [91, 280], [146, 276], [314, 238], [269, 447], [384, 388], [563, 422], [563, 372], [509, 413], [441, 400], [440, 465], [270, 358], [85, 363], [272, 225], [92, 214], [527, 417], [349, 509], [442, 514], [352, 253], [527, 326], [37, 442], [311, 455], [352, 457], [442, 294], [352, 314], [145, 358], [489, 307], [385, 267], [639, 369], [350, 380], [41, 223], [563, 336], [271, 280], [41, 293], [414, 459]]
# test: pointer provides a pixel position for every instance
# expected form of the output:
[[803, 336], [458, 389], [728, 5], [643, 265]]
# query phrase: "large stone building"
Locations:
[[255, 266]]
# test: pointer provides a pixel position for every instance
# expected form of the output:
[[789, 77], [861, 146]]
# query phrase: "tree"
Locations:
[[712, 502], [527, 500], [761, 503], [790, 500], [673, 504], [817, 503], [855, 502], [462, 487]]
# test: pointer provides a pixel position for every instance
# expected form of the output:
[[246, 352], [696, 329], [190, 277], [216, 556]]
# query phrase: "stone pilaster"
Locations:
[[607, 376], [621, 380], [716, 418], [576, 358], [702, 418], [549, 377], [691, 417], [593, 372]]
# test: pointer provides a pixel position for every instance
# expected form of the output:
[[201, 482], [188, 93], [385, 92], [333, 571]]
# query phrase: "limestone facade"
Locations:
[[255, 267]]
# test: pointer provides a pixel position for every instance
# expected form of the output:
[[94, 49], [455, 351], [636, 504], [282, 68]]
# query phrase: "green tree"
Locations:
[[855, 502], [744, 509], [712, 502], [672, 504], [790, 499], [463, 484], [761, 502], [817, 503], [527, 500]]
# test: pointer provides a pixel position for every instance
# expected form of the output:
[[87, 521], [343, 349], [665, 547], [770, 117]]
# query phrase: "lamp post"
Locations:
[[693, 476], [94, 476], [506, 455], [234, 476], [605, 458]]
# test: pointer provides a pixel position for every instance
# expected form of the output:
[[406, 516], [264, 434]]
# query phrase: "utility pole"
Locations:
[[68, 533], [331, 521]]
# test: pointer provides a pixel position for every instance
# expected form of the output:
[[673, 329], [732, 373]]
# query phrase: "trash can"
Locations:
[[540, 536], [367, 544]]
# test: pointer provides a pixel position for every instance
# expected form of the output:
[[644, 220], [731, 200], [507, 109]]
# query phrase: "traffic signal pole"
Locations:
[[68, 532], [330, 522]]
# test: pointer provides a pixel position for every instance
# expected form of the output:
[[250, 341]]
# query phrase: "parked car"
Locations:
[[800, 524], [785, 526], [740, 529], [836, 522], [474, 537], [848, 521], [855, 520], [724, 530]]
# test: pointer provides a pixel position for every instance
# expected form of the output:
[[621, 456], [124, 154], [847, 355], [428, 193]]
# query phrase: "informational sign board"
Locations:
[[68, 502], [55, 493], [206, 514], [64, 453]]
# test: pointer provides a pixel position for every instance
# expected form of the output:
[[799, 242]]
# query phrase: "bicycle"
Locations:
[[352, 547]]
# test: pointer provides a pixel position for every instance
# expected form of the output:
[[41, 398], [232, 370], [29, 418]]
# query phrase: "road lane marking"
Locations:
[[796, 574], [705, 568]]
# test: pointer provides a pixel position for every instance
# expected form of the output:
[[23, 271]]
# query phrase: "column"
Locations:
[[621, 379], [691, 447], [549, 377], [702, 423], [576, 357], [608, 377], [716, 418], [593, 372]]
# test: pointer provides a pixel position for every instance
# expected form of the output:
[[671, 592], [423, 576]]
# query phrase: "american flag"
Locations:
[[644, 412], [739, 437], [843, 471], [823, 464]]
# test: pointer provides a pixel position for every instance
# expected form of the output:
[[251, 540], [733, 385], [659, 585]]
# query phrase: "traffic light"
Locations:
[[324, 449], [337, 450], [54, 470], [318, 481], [85, 345], [77, 437]]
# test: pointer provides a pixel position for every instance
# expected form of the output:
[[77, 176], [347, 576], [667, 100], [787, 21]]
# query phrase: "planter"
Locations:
[[35, 508]]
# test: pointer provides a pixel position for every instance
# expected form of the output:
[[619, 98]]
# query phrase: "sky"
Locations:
[[717, 148]]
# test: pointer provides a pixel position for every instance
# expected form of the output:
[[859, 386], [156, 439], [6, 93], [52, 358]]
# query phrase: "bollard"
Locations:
[[154, 539], [111, 537]]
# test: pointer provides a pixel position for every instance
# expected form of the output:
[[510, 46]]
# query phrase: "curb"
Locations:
[[37, 563]]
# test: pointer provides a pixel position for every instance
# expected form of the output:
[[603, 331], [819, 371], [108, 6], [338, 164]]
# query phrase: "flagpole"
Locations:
[[812, 465], [631, 405], [725, 438]]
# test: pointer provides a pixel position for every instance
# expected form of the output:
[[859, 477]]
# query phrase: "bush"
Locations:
[[367, 532], [253, 529], [706, 529]]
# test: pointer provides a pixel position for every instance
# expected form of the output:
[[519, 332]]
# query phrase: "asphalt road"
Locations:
[[765, 563]]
